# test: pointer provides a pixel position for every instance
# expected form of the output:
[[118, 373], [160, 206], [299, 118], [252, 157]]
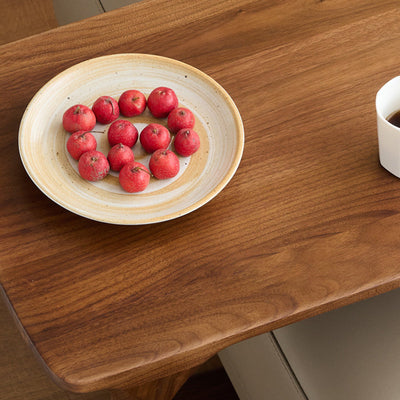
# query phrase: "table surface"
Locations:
[[309, 223]]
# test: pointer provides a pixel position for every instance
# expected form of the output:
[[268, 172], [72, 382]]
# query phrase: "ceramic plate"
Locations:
[[42, 139]]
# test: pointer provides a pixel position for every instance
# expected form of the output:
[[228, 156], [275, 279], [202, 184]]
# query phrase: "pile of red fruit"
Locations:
[[122, 135]]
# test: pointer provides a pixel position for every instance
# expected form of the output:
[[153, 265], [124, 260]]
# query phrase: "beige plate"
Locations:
[[42, 139]]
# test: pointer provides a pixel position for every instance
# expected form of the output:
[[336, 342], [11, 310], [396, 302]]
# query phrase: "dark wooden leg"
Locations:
[[162, 389]]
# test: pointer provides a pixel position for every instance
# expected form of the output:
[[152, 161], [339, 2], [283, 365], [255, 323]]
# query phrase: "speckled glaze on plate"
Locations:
[[42, 139]]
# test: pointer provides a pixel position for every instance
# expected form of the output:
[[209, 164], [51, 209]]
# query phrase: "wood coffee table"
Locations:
[[309, 223]]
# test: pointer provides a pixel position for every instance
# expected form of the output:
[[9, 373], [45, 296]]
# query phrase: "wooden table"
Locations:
[[309, 223]]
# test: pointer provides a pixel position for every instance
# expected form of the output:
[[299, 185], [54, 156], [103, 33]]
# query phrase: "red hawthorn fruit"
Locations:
[[154, 137], [93, 165], [79, 118], [132, 103], [134, 177], [162, 101], [186, 142], [106, 109], [119, 155], [122, 131], [180, 118], [80, 142], [164, 164]]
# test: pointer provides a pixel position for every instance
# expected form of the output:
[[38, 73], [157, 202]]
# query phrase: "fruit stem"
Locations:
[[135, 169], [112, 105], [97, 131]]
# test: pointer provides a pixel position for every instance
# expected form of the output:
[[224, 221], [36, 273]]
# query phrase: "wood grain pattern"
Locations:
[[310, 222], [21, 375], [25, 18]]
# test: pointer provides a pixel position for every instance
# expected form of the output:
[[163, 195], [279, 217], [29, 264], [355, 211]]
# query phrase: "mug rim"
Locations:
[[378, 106]]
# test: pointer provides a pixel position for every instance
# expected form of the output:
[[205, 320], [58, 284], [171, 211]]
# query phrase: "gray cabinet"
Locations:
[[350, 353]]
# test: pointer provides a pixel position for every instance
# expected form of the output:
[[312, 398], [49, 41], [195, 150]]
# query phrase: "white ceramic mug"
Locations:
[[388, 103]]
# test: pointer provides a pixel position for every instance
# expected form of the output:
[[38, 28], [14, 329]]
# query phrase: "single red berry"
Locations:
[[132, 103], [119, 155], [134, 177], [164, 164], [186, 142], [93, 165], [122, 131], [106, 109], [79, 118], [154, 137], [180, 118], [162, 101], [80, 142]]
